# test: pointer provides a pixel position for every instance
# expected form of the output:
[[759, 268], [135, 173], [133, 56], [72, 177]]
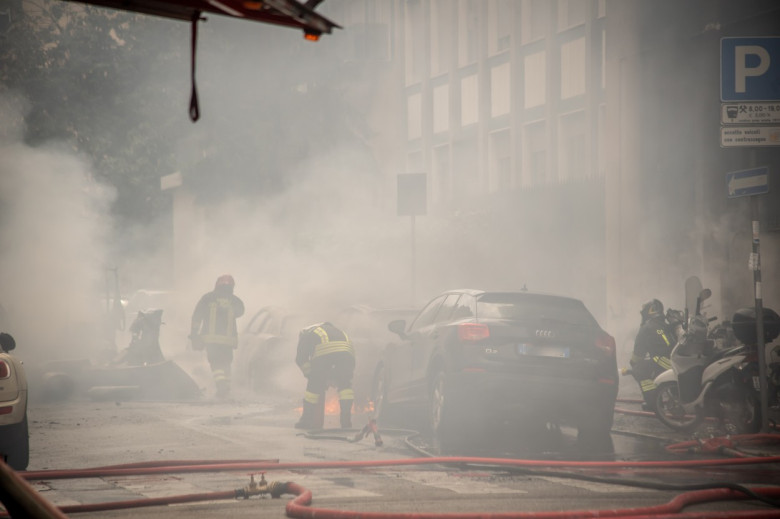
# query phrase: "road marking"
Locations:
[[454, 482], [604, 488]]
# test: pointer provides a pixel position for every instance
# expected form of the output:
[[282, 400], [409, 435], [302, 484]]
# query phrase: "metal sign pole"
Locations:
[[755, 263], [414, 260]]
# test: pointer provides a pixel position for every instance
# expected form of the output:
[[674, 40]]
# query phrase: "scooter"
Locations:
[[707, 380]]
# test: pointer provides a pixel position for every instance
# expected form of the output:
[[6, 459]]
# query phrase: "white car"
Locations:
[[266, 345], [14, 439]]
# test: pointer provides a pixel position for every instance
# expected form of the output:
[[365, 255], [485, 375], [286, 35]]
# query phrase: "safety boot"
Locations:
[[313, 416], [345, 407], [308, 416]]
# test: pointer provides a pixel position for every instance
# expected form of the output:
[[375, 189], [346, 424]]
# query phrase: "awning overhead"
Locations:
[[288, 13]]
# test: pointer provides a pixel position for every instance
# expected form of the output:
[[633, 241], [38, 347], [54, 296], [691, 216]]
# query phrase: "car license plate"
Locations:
[[542, 350]]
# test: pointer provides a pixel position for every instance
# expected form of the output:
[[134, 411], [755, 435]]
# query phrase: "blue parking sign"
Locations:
[[750, 69]]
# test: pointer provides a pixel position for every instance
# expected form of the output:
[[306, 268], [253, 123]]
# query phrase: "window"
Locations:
[[573, 68], [500, 88], [469, 100], [426, 315], [446, 309], [571, 13], [500, 17], [415, 47], [535, 16], [535, 79], [441, 108], [572, 147], [466, 308], [258, 321], [468, 31], [272, 325], [520, 307], [441, 38], [414, 116], [535, 154], [500, 161]]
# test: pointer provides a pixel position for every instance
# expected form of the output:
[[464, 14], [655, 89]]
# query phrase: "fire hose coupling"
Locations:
[[262, 487], [717, 444]]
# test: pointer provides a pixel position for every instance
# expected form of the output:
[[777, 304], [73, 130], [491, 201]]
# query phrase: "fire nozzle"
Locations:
[[375, 430], [369, 428]]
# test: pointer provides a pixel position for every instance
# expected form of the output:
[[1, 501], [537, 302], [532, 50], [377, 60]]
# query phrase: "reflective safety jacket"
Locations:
[[214, 319], [655, 340], [319, 340]]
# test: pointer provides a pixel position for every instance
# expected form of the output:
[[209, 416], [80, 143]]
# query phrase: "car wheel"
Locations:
[[440, 415], [15, 444], [437, 403]]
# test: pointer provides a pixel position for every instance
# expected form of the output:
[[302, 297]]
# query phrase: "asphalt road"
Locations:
[[80, 433]]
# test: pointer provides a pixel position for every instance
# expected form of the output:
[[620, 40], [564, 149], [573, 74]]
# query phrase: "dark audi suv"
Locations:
[[471, 358]]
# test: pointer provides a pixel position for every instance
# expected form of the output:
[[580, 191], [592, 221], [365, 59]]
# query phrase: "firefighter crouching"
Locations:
[[326, 357], [652, 347], [214, 329]]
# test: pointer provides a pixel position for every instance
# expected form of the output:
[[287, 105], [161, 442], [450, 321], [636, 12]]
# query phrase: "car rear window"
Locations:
[[524, 307]]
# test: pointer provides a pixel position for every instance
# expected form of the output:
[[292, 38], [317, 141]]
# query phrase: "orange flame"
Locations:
[[333, 407]]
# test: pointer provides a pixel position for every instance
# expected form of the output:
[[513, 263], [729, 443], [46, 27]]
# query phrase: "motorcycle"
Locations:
[[713, 374]]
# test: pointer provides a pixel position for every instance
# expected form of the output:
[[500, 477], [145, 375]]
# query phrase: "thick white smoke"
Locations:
[[53, 226]]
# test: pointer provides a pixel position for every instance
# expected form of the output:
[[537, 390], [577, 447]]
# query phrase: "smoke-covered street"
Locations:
[[80, 435], [418, 257]]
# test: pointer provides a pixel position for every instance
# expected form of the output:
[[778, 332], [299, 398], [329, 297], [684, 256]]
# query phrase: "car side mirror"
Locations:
[[7, 342], [398, 327]]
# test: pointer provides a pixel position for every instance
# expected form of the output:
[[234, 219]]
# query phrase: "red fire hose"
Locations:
[[299, 508], [261, 465]]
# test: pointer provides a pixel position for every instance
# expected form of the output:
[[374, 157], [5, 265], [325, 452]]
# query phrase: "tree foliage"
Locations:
[[115, 85], [81, 69]]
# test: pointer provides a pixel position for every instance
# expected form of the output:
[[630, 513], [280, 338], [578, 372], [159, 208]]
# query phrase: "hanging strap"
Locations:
[[194, 107]]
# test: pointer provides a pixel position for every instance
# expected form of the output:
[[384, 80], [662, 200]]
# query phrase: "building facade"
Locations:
[[587, 132]]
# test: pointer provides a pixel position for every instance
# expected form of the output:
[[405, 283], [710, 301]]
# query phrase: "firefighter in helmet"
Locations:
[[652, 347], [214, 329], [326, 357]]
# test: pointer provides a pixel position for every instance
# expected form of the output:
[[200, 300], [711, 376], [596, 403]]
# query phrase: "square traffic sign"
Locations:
[[750, 69]]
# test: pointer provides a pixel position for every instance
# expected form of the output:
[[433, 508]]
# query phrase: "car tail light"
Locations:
[[473, 331], [8, 409], [5, 369], [606, 343]]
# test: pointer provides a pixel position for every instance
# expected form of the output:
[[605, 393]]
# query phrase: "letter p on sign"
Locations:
[[741, 68], [750, 69]]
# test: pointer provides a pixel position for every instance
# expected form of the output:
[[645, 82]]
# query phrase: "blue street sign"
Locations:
[[750, 69], [748, 182]]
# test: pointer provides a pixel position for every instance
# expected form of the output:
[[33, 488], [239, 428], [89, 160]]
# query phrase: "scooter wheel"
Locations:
[[670, 411]]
